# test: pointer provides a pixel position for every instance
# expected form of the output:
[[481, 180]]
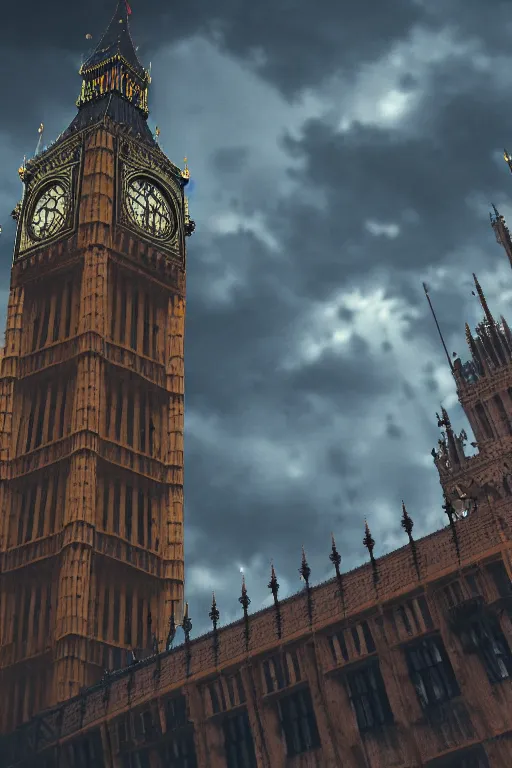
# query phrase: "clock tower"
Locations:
[[92, 403]]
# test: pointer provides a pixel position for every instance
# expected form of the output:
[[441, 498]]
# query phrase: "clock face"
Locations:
[[50, 212], [148, 209]]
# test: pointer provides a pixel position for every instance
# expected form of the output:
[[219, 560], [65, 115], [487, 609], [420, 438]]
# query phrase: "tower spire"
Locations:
[[497, 349], [114, 67], [501, 231]]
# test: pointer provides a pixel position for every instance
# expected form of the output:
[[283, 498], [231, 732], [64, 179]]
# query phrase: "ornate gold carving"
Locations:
[[140, 166], [56, 169]]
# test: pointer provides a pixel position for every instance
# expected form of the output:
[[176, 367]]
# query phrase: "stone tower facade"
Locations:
[[91, 393], [484, 388]]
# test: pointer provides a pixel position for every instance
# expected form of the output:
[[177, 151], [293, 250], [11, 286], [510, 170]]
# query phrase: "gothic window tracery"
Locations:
[[50, 212], [431, 672], [148, 209]]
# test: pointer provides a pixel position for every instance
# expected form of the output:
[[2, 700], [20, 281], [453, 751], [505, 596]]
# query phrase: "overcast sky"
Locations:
[[341, 153]]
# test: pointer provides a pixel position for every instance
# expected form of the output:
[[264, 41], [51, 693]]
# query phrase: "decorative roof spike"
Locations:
[[185, 174], [501, 232], [507, 332], [335, 559], [508, 159], [305, 573], [245, 602], [214, 617], [450, 511], [190, 224], [408, 525], [304, 570], [474, 351], [483, 301], [369, 543], [273, 585], [187, 628], [172, 629], [496, 343]]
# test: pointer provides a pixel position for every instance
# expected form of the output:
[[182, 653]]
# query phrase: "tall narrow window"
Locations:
[[142, 422], [140, 623], [69, 309], [145, 338], [26, 614], [35, 333], [21, 517], [46, 323], [128, 518], [47, 613], [484, 421], [299, 722], [42, 507], [122, 329], [62, 418], [117, 505], [135, 319], [129, 418], [15, 620], [128, 618], [31, 512], [106, 489], [30, 429], [55, 501], [119, 411], [108, 410], [238, 742], [56, 319], [151, 428], [40, 416], [117, 609], [368, 697], [37, 612], [114, 306], [503, 414], [431, 672], [501, 578], [490, 643], [140, 518], [106, 613], [155, 330], [149, 540], [97, 611], [53, 408]]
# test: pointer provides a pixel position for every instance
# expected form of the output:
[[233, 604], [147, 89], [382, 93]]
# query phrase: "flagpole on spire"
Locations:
[[40, 131], [437, 326]]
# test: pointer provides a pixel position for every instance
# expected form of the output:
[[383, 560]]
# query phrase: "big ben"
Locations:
[[92, 395]]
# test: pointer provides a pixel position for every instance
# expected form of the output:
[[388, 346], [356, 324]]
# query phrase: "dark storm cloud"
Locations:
[[284, 445]]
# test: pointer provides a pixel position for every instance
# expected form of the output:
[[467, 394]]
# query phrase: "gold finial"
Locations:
[[185, 174], [22, 170]]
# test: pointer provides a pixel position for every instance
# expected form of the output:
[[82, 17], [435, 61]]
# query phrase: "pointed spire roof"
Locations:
[[116, 42], [114, 83]]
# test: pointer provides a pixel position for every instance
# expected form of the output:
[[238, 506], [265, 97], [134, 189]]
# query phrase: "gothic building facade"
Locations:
[[405, 661]]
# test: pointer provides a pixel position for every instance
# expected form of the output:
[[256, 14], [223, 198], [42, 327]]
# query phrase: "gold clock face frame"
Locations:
[[50, 211], [148, 208]]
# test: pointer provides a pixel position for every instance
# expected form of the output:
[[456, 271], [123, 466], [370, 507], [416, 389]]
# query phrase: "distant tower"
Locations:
[[91, 393], [484, 387]]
